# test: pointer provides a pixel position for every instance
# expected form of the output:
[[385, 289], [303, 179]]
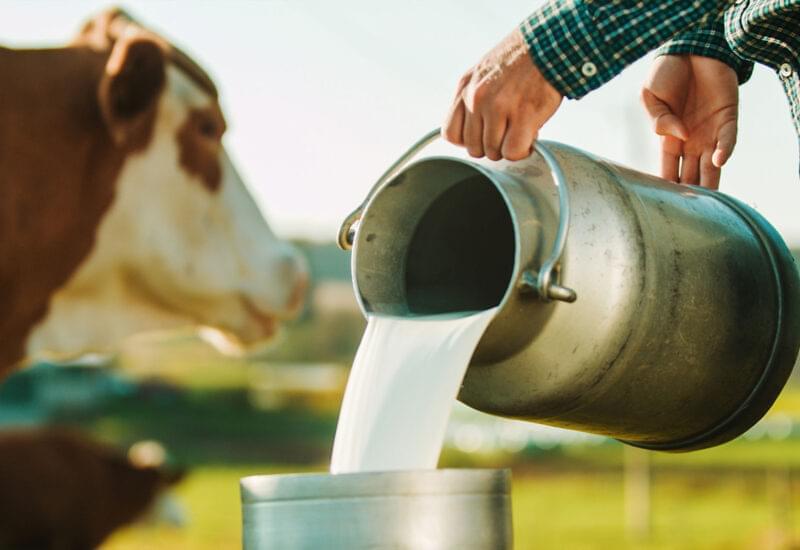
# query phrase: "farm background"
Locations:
[[225, 418], [354, 90]]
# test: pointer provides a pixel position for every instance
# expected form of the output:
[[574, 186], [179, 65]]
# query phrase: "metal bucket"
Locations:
[[663, 315], [418, 510]]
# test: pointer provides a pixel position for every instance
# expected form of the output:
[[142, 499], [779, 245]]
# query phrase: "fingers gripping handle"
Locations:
[[541, 282]]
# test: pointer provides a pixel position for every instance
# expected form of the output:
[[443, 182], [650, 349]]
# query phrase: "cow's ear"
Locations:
[[129, 89], [173, 475], [103, 29]]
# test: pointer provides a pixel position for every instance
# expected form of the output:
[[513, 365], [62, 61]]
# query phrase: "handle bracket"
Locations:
[[541, 282], [347, 232]]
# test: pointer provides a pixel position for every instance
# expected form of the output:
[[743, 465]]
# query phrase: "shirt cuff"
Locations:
[[709, 41], [579, 45]]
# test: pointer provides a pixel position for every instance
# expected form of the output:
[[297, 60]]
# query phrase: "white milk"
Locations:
[[404, 380]]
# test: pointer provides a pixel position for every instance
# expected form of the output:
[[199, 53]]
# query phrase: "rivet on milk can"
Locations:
[[419, 510], [663, 315]]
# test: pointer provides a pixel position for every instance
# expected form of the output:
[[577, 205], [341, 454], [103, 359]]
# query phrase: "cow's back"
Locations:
[[59, 489]]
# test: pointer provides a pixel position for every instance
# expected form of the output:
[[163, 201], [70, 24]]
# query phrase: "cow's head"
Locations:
[[183, 241]]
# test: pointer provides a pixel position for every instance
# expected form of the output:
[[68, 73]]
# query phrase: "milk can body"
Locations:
[[684, 325]]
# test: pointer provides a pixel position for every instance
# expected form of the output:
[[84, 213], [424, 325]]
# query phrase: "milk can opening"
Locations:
[[439, 238]]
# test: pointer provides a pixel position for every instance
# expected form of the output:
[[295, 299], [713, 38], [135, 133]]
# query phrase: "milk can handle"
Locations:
[[542, 282]]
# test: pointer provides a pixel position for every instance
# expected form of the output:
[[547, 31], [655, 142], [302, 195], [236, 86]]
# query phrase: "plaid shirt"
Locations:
[[581, 44]]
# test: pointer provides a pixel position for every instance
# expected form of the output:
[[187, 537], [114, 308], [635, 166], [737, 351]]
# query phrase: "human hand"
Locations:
[[501, 103], [693, 102]]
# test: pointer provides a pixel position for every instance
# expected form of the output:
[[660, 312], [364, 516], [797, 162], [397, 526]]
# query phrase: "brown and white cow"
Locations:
[[119, 209], [62, 490]]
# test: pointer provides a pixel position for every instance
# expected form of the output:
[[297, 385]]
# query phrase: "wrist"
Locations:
[[561, 45], [709, 42]]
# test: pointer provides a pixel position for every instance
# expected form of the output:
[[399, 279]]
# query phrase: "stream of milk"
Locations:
[[404, 381]]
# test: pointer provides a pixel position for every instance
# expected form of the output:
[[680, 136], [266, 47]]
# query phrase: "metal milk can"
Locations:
[[663, 315]]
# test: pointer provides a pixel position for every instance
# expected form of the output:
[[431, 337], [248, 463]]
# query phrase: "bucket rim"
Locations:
[[400, 483]]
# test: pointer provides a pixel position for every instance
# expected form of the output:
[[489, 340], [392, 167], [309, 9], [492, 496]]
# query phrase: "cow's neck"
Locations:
[[58, 168]]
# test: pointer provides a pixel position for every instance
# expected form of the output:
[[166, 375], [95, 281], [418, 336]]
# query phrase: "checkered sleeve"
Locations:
[[580, 45], [709, 41]]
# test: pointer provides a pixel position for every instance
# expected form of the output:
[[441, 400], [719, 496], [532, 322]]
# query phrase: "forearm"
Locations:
[[709, 41], [581, 44]]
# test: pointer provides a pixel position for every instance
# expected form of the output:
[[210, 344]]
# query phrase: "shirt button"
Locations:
[[786, 70], [589, 69]]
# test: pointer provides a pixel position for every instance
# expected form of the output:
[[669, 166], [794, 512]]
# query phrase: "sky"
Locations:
[[322, 96]]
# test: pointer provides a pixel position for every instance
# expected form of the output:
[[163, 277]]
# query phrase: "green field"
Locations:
[[551, 510], [740, 495]]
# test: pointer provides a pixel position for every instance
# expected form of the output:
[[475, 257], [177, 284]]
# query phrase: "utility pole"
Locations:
[[637, 493], [637, 462]]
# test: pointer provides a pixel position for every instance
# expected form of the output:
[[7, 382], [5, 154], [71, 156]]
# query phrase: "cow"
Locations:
[[120, 210], [62, 490]]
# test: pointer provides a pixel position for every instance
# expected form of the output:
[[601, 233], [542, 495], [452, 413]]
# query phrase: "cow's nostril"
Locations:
[[291, 266]]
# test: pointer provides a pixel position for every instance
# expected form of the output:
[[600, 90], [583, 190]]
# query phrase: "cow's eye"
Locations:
[[209, 129]]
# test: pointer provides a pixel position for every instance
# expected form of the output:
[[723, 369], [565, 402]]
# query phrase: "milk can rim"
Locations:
[[487, 172]]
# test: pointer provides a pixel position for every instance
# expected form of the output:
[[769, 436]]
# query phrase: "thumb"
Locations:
[[665, 122], [725, 144]]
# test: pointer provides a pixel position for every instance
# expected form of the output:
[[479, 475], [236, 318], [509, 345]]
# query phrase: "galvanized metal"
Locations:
[[419, 510], [541, 280], [686, 325]]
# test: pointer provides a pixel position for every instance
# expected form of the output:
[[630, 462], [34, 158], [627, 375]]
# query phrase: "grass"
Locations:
[[587, 511], [211, 495], [212, 498], [734, 496], [555, 510]]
